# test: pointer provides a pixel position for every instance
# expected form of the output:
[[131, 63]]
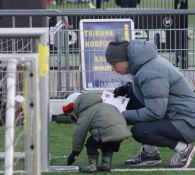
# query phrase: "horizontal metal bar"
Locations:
[[22, 32], [95, 12], [18, 155], [75, 169], [15, 171], [19, 57]]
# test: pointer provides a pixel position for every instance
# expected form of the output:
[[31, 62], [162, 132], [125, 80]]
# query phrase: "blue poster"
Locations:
[[95, 34]]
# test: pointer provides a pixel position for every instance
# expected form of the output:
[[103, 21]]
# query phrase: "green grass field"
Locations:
[[60, 138], [60, 134], [60, 147]]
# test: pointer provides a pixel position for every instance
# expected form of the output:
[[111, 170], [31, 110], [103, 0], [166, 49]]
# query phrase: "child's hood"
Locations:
[[85, 101]]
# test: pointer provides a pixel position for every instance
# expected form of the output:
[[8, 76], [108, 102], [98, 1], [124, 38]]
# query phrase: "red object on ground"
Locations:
[[49, 1]]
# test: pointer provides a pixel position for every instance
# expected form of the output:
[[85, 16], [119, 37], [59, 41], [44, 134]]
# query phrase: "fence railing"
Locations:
[[171, 30]]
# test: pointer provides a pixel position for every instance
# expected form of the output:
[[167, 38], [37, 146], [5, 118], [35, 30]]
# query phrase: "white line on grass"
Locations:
[[76, 169], [153, 169]]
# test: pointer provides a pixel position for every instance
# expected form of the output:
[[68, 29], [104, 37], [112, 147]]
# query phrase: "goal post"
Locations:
[[9, 125], [32, 114], [26, 47]]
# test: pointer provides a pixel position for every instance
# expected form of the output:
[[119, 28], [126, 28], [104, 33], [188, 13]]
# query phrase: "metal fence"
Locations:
[[171, 30]]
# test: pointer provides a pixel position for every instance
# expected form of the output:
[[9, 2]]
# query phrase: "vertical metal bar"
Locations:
[[30, 21], [37, 131], [59, 61], [33, 118], [10, 116], [67, 59], [44, 99], [13, 21]]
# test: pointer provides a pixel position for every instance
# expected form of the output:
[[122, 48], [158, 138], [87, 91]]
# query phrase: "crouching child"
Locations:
[[106, 125]]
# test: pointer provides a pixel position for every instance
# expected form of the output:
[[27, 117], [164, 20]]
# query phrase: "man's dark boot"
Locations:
[[106, 162], [92, 167]]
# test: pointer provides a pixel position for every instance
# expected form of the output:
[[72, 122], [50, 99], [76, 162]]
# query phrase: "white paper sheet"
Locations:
[[119, 102]]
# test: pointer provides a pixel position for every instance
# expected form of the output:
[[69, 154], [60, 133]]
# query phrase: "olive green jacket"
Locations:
[[102, 120]]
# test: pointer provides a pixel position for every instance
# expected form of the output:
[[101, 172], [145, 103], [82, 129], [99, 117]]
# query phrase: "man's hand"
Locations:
[[72, 157], [123, 90]]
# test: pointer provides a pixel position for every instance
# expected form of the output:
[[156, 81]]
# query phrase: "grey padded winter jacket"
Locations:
[[161, 88]]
